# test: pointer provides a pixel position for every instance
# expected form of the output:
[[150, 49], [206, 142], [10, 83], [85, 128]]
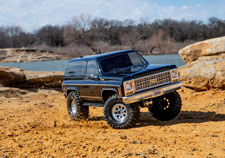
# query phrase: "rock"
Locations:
[[38, 79], [123, 137], [212, 47], [20, 146], [133, 142], [27, 55], [9, 92], [212, 116], [14, 77], [205, 68], [54, 124], [203, 74], [11, 76]]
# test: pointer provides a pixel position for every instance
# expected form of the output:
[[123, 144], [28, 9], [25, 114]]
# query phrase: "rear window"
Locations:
[[76, 68]]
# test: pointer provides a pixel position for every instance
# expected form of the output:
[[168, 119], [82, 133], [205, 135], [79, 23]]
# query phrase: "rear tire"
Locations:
[[119, 115], [75, 109], [166, 107]]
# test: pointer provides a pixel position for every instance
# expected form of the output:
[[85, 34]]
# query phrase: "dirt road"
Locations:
[[36, 124]]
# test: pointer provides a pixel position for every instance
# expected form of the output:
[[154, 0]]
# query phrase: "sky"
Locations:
[[32, 14]]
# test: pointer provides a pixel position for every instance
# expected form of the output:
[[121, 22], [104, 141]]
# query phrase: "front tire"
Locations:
[[119, 115], [166, 107], [75, 109]]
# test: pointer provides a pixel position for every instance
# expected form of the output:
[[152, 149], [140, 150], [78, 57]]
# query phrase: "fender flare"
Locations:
[[109, 89], [69, 89]]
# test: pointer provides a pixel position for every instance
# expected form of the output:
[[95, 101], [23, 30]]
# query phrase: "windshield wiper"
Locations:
[[138, 65]]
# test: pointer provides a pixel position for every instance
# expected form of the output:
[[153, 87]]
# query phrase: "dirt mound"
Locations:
[[37, 125]]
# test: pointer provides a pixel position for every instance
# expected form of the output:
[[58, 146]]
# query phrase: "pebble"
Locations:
[[133, 142], [28, 110], [20, 146], [212, 117], [123, 137], [129, 153], [54, 124]]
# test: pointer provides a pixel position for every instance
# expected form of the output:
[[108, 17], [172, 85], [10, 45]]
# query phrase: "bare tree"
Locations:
[[99, 35], [79, 30], [160, 43], [50, 35], [14, 37], [130, 38]]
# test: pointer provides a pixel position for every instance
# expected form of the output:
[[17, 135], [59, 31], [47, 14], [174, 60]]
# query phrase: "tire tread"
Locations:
[[82, 111], [171, 113], [134, 113]]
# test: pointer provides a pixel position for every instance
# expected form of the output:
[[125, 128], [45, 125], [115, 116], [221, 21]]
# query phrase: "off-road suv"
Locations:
[[121, 82]]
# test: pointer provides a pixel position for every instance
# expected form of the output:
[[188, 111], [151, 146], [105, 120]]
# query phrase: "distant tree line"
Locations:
[[98, 35]]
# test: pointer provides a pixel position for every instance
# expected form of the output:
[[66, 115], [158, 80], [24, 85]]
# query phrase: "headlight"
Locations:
[[129, 87], [174, 74]]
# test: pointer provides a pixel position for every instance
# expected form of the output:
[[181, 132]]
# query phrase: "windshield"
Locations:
[[118, 62]]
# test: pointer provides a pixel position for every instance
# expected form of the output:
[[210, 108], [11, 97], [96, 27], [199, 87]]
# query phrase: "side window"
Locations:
[[92, 67], [135, 58], [76, 68]]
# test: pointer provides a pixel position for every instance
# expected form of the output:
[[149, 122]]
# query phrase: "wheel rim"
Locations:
[[166, 103], [73, 107], [119, 112]]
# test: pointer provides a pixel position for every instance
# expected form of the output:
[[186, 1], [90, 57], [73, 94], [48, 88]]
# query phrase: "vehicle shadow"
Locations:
[[96, 118], [184, 117], [146, 118]]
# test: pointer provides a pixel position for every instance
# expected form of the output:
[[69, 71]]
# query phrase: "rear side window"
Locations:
[[76, 68]]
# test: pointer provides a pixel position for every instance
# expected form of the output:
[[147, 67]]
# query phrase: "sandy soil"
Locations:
[[36, 124]]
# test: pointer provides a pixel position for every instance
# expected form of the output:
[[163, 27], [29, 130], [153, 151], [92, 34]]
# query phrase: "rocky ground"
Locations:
[[34, 123]]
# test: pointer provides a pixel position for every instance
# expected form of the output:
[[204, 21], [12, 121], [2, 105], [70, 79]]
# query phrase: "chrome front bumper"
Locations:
[[152, 93]]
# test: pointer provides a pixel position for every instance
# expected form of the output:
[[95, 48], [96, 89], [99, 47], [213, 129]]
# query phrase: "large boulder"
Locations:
[[11, 76], [203, 74], [43, 79], [14, 77], [205, 68], [212, 47]]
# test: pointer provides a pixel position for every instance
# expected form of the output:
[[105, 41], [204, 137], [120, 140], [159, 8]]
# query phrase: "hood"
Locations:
[[140, 71]]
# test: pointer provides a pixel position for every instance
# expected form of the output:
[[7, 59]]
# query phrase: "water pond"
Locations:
[[60, 65]]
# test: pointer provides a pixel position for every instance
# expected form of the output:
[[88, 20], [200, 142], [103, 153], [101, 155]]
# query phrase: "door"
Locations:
[[92, 88]]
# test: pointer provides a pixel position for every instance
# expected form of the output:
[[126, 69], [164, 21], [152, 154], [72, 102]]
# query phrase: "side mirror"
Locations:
[[93, 77]]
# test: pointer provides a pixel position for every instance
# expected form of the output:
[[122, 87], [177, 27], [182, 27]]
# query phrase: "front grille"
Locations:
[[152, 81]]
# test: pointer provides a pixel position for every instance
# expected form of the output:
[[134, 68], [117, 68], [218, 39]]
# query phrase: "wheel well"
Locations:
[[68, 91], [107, 93]]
